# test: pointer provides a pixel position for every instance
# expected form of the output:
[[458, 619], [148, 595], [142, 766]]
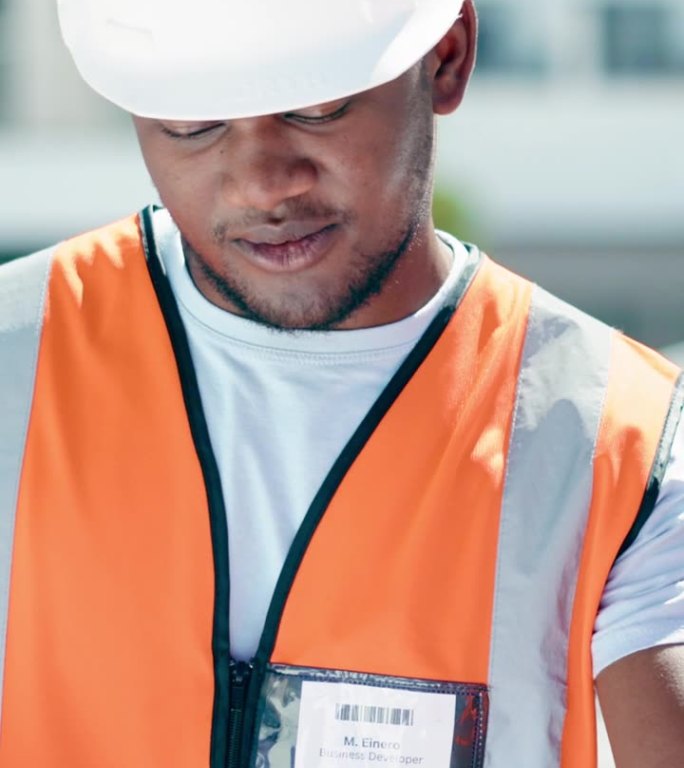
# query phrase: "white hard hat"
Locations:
[[222, 59]]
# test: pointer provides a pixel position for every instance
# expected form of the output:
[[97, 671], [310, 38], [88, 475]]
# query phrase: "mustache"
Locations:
[[224, 229]]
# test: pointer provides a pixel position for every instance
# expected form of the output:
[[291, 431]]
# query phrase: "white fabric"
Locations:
[[265, 393]]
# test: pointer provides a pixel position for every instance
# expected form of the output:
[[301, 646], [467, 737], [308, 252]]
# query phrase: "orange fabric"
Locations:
[[640, 388], [109, 658], [430, 477], [109, 642]]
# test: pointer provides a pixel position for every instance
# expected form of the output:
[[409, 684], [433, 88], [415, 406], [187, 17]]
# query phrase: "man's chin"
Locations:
[[290, 313], [308, 300]]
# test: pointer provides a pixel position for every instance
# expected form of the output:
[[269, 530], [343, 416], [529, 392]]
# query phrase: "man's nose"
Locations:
[[263, 168]]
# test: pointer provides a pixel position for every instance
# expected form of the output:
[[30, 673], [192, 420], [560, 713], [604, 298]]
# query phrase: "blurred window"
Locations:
[[641, 39], [511, 40]]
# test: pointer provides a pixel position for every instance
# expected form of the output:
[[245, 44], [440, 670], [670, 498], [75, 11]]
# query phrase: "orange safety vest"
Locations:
[[457, 550]]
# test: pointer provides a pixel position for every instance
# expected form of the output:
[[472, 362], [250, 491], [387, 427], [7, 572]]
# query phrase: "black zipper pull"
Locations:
[[240, 675]]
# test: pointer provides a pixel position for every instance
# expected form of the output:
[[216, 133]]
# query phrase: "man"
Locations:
[[288, 477]]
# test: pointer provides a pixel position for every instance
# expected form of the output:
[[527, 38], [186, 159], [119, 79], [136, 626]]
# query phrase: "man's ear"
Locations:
[[450, 63]]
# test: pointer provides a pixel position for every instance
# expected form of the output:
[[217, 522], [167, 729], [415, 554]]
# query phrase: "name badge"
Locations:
[[329, 719]]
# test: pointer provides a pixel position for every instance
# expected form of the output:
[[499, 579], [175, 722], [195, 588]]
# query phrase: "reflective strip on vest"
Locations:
[[540, 537], [22, 300]]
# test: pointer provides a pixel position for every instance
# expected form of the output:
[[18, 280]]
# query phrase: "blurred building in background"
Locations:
[[568, 153], [565, 161]]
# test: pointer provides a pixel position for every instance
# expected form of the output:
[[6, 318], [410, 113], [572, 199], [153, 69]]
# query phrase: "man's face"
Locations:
[[312, 219]]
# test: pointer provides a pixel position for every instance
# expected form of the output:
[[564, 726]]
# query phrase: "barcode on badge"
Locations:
[[358, 713]]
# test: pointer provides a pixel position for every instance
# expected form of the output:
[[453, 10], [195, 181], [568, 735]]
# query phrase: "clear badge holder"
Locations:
[[310, 718]]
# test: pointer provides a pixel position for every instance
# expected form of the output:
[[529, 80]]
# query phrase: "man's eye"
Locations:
[[318, 114], [189, 133]]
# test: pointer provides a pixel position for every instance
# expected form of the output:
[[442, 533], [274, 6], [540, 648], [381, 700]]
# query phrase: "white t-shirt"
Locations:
[[266, 392]]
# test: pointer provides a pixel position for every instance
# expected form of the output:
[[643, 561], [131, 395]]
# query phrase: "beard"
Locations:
[[297, 308]]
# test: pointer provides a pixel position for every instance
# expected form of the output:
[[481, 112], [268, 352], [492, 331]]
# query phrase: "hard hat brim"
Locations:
[[217, 80]]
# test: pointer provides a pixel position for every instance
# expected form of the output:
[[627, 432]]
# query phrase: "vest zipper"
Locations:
[[240, 675]]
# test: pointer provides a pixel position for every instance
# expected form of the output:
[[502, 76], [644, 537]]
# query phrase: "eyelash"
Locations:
[[338, 113], [190, 136], [318, 120]]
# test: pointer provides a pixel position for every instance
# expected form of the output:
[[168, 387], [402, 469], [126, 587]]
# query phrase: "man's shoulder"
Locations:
[[23, 283], [552, 320], [547, 317], [542, 301], [113, 237], [112, 244]]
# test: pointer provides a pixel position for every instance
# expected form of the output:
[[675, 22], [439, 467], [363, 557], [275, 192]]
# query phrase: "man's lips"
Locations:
[[289, 247], [279, 234]]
